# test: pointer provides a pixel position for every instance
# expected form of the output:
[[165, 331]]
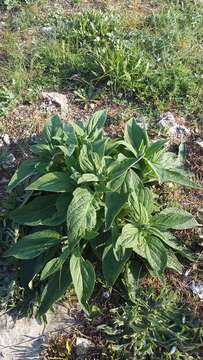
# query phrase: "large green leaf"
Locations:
[[32, 245], [117, 172], [112, 267], [81, 215], [138, 211], [173, 218], [25, 170], [156, 254], [54, 289], [120, 167], [113, 204], [173, 263], [135, 135], [40, 211], [85, 160], [145, 196], [128, 147], [99, 242], [83, 276], [132, 181], [154, 148], [55, 264], [165, 175], [115, 184], [70, 136], [44, 151], [52, 128], [131, 238], [88, 178], [175, 244], [53, 182], [96, 124], [62, 203]]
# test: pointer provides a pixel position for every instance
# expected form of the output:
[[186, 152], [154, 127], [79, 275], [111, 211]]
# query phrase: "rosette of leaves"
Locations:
[[87, 206]]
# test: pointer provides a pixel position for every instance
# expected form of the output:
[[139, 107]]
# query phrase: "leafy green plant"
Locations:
[[155, 326], [86, 197]]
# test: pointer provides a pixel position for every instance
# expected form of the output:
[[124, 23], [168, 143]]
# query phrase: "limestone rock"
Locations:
[[82, 346], [58, 99]]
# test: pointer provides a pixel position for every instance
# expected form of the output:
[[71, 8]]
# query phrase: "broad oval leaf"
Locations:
[[113, 204], [156, 254], [83, 276], [81, 215], [52, 128], [85, 160], [32, 245], [165, 175], [54, 289], [155, 147], [25, 170], [135, 135], [111, 267], [53, 182], [132, 181], [40, 211], [139, 212], [173, 263], [118, 172], [55, 264], [131, 238], [175, 244], [88, 178], [172, 218], [120, 167], [42, 150], [96, 124]]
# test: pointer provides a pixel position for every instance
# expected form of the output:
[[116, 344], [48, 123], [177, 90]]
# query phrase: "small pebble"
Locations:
[[6, 139]]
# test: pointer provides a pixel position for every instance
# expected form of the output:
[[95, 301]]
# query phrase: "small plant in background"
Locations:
[[7, 100], [87, 205], [155, 326], [10, 4]]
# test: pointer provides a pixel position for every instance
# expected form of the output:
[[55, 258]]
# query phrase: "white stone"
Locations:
[[46, 30], [9, 162], [82, 346], [58, 99], [167, 121], [179, 131], [173, 350], [199, 142], [6, 139], [174, 130], [22, 339], [197, 289], [141, 122]]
